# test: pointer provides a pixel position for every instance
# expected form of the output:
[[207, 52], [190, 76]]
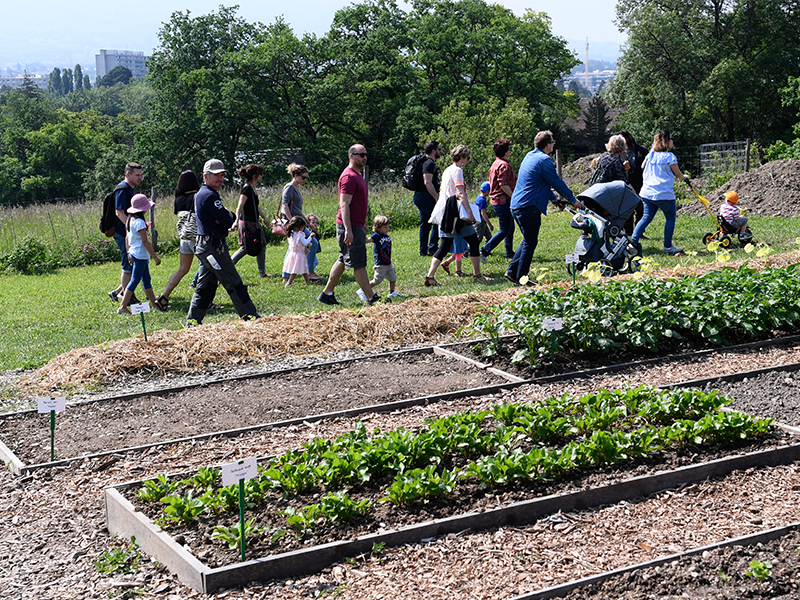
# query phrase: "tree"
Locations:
[[709, 70], [597, 120], [78, 77], [118, 74], [66, 81], [87, 83], [54, 85]]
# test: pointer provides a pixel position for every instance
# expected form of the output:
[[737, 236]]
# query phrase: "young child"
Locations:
[[729, 211], [296, 262], [485, 228], [382, 249], [139, 252], [313, 261]]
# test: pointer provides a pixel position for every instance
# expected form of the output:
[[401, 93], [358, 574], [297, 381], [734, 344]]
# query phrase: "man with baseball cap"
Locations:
[[216, 267]]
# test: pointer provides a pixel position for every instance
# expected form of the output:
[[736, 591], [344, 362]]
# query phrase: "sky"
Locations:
[[67, 33]]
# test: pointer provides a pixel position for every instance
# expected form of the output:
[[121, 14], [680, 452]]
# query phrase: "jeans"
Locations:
[[259, 258], [529, 219], [123, 252], [651, 207], [141, 272], [217, 267], [505, 230], [425, 203]]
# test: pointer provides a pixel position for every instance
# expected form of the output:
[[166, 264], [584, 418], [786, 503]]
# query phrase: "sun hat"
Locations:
[[485, 186], [214, 165], [140, 203], [731, 197]]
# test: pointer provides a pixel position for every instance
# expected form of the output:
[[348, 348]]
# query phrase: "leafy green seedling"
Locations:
[[232, 537], [183, 509], [155, 489], [726, 579], [760, 570], [124, 559]]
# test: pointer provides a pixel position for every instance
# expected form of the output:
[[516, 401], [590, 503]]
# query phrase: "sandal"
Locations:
[[446, 268], [431, 282], [480, 278], [462, 274], [162, 303]]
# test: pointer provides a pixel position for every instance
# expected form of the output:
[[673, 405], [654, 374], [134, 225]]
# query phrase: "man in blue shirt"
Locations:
[[122, 202], [537, 179], [213, 223]]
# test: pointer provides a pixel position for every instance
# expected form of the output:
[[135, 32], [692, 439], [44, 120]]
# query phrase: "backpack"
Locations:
[[599, 175], [108, 218], [412, 176]]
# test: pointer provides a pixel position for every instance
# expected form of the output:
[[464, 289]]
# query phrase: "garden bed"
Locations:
[[99, 426], [417, 501]]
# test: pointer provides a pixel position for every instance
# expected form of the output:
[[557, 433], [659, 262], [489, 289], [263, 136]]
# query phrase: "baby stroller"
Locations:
[[724, 229], [603, 240]]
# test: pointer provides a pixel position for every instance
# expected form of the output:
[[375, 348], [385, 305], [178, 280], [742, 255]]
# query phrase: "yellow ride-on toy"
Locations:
[[724, 229]]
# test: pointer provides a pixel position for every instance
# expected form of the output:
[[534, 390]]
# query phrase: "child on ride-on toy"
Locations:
[[729, 211]]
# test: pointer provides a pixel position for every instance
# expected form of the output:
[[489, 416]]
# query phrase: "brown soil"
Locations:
[[578, 173], [107, 425]]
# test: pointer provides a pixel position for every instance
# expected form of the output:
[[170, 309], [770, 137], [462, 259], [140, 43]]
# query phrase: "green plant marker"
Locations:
[[52, 406], [238, 472], [553, 324], [140, 309]]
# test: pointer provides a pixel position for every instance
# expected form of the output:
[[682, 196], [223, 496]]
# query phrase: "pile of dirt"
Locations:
[[772, 190], [578, 173]]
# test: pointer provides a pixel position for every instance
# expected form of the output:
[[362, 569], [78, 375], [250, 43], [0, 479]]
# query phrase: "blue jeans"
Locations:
[[505, 230], [141, 272], [123, 252], [651, 207], [529, 219], [425, 203]]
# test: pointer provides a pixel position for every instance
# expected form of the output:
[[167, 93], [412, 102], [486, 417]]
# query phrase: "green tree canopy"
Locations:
[[709, 70], [118, 74]]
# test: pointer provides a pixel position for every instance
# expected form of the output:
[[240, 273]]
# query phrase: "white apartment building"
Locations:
[[108, 59]]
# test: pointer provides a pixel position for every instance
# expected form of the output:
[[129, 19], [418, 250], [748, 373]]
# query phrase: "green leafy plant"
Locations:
[[154, 490], [182, 509], [120, 560], [420, 485], [233, 536], [331, 509], [759, 570]]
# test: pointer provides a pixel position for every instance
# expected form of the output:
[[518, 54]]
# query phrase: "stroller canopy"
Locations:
[[615, 200]]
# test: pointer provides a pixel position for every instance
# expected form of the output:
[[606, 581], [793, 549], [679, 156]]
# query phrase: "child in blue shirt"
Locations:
[[485, 228], [382, 250]]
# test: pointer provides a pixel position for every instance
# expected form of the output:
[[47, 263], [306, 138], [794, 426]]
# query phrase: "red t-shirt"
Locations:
[[352, 183], [500, 173]]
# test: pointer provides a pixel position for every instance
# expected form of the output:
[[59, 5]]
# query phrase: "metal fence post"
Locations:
[[747, 157]]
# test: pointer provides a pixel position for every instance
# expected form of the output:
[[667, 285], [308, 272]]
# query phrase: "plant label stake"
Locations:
[[140, 309], [239, 472], [572, 259], [552, 325], [52, 405]]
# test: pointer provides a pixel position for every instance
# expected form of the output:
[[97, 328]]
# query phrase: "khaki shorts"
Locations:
[[384, 272]]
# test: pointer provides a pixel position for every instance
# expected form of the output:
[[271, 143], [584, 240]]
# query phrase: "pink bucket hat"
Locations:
[[140, 203]]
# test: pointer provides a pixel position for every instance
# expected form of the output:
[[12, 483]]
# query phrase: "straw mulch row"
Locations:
[[415, 321]]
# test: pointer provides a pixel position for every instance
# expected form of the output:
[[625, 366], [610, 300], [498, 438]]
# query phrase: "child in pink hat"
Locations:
[[139, 252]]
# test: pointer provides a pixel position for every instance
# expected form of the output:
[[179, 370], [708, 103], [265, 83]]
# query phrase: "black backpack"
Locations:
[[108, 219], [412, 176]]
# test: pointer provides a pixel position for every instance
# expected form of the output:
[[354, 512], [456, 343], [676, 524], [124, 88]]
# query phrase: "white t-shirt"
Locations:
[[137, 249], [658, 178], [451, 177]]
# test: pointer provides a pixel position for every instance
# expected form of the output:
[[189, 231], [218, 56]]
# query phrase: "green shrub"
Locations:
[[29, 257]]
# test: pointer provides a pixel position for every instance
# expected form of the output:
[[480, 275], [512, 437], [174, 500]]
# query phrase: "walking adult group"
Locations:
[[447, 218]]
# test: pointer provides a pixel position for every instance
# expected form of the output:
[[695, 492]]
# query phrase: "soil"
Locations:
[[772, 190], [577, 174], [384, 515], [93, 427], [715, 575], [775, 395]]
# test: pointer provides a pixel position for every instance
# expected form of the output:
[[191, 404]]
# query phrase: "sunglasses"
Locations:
[[361, 154], [304, 177]]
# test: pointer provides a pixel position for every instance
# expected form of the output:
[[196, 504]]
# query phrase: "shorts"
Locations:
[[738, 223], [384, 272], [353, 256], [187, 247]]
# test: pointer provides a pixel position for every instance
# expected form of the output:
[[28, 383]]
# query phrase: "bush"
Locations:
[[29, 257], [99, 251]]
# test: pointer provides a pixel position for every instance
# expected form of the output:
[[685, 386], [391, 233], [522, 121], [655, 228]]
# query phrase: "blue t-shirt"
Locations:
[[122, 201], [480, 202], [381, 248]]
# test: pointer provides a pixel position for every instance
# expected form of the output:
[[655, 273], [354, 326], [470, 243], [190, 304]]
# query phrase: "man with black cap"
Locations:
[[216, 267]]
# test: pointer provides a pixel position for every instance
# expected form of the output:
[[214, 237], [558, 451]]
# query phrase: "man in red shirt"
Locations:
[[350, 228]]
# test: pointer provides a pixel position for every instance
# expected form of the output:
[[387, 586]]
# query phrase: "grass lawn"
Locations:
[[43, 316]]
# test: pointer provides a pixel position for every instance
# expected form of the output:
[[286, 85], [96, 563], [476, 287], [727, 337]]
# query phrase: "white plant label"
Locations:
[[554, 324], [144, 307], [234, 472], [47, 405], [571, 259]]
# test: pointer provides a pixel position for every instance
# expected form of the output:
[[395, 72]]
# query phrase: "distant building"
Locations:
[[595, 79], [15, 81], [108, 59]]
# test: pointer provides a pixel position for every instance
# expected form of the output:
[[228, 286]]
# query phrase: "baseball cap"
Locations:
[[732, 197], [485, 187], [214, 165]]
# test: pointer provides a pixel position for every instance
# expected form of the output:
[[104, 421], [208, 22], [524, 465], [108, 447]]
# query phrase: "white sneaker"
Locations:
[[394, 294], [361, 295]]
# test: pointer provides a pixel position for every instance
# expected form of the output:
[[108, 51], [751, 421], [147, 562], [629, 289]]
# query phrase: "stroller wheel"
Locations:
[[632, 264], [707, 238], [606, 270], [725, 241], [575, 268]]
